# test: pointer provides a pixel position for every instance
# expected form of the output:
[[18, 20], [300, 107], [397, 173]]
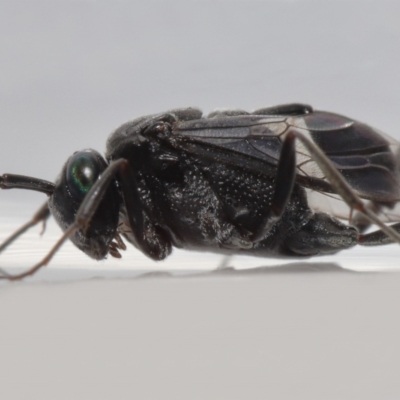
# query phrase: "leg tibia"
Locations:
[[377, 238]]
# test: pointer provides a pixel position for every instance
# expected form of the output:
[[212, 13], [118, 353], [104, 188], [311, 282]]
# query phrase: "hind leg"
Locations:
[[377, 238], [361, 222]]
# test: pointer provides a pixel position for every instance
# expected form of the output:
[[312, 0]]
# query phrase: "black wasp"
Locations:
[[230, 182]]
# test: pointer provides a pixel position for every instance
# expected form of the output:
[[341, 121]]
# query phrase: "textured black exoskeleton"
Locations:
[[231, 182]]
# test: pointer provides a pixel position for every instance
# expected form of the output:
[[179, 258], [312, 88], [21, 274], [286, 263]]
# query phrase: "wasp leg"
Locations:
[[40, 215], [360, 221], [240, 237], [147, 237], [83, 217], [223, 265], [284, 183], [86, 211], [322, 234], [285, 109], [44, 261], [342, 188], [377, 238]]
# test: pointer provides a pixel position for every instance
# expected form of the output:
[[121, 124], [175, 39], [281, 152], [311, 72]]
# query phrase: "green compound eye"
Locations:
[[82, 172]]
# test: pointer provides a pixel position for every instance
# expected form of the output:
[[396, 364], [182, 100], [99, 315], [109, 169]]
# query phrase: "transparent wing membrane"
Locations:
[[368, 160]]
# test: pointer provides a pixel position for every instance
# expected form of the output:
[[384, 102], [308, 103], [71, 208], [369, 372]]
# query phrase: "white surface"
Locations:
[[282, 336], [71, 72]]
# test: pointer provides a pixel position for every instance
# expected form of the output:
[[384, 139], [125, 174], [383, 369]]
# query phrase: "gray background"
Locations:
[[73, 71], [70, 73]]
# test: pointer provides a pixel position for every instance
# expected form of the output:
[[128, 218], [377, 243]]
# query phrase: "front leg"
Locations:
[[142, 232], [152, 240]]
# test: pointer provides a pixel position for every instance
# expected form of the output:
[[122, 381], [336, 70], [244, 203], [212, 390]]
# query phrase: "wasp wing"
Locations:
[[367, 158]]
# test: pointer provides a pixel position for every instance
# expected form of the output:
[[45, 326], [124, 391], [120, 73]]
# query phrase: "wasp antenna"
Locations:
[[11, 181]]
